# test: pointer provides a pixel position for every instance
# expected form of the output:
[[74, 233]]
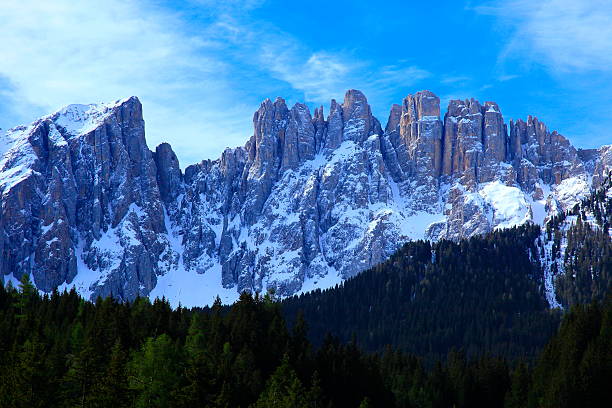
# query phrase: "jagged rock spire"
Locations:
[[306, 200], [359, 123]]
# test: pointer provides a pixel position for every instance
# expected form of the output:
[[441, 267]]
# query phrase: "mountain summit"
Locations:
[[307, 202]]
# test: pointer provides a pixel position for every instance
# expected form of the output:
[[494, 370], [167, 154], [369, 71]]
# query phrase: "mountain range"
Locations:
[[309, 201]]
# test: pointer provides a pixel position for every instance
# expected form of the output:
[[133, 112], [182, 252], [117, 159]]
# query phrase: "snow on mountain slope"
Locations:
[[308, 201], [81, 119], [508, 204], [569, 231], [17, 157]]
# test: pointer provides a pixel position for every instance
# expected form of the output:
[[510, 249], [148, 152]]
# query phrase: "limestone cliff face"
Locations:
[[87, 199], [308, 201]]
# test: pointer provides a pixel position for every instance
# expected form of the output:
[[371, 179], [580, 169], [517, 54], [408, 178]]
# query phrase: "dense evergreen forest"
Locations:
[[446, 324], [587, 257], [63, 351], [484, 294]]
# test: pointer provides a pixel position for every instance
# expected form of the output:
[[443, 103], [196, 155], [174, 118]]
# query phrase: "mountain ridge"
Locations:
[[431, 297], [307, 201]]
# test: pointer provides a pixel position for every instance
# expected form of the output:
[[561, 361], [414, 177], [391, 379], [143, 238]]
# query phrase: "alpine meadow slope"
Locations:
[[306, 203]]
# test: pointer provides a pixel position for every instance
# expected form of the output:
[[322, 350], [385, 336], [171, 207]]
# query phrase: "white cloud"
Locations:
[[571, 40], [324, 75], [61, 52], [504, 78], [398, 75], [199, 79], [455, 79], [320, 76], [565, 35]]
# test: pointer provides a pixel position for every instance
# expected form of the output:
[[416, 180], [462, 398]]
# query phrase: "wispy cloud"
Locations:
[[61, 52], [317, 75], [229, 5], [398, 75], [570, 40], [320, 75], [504, 78], [326, 75], [199, 70], [455, 79], [565, 35]]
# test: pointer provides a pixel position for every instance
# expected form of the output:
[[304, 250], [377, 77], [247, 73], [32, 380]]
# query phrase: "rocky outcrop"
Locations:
[[307, 202], [169, 175], [602, 165], [88, 201], [414, 130], [358, 122], [540, 154]]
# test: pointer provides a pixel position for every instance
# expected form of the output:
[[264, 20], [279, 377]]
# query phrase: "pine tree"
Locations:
[[365, 403], [196, 391], [30, 383], [26, 297], [315, 393], [519, 388], [80, 377], [284, 389], [155, 373], [112, 388]]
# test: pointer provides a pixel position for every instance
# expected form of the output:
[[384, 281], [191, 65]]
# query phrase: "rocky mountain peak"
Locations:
[[79, 119], [359, 123], [491, 107], [416, 141], [395, 114], [308, 201], [423, 104], [335, 124], [169, 175], [90, 174]]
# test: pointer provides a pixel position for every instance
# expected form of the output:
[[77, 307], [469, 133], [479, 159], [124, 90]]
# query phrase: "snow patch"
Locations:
[[571, 191], [79, 119], [510, 208], [187, 287]]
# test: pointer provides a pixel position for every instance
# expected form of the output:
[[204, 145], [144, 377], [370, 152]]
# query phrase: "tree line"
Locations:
[[60, 350], [484, 295], [446, 324]]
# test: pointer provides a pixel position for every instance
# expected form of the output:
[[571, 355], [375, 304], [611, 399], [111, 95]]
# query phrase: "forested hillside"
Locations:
[[490, 293], [582, 240], [463, 324], [484, 294], [63, 351]]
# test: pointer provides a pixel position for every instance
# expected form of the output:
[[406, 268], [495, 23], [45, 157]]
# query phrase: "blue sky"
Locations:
[[202, 68]]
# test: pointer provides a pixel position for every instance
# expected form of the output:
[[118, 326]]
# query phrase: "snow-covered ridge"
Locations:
[[306, 203], [553, 259], [17, 153], [79, 119], [16, 156]]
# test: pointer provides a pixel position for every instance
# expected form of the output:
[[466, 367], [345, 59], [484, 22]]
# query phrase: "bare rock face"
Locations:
[[391, 145], [495, 140], [602, 165], [358, 122], [308, 201], [89, 201], [320, 128], [169, 175], [463, 137], [421, 132], [550, 153], [335, 126], [299, 144]]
